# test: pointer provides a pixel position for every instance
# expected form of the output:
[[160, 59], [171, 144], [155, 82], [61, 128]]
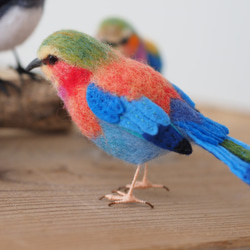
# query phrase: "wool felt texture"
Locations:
[[129, 110], [98, 53], [141, 116], [116, 22], [126, 145], [154, 61], [122, 36], [184, 96], [212, 136]]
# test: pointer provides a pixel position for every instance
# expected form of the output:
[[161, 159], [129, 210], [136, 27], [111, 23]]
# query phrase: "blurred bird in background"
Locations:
[[18, 19], [122, 36], [130, 110]]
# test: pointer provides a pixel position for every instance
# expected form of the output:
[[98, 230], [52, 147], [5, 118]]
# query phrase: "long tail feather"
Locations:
[[235, 154], [212, 136], [238, 148]]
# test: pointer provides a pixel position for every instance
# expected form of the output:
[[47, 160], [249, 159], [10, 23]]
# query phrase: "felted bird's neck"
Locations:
[[72, 85], [70, 78]]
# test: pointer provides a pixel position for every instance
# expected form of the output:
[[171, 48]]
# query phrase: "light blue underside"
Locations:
[[129, 127], [125, 145]]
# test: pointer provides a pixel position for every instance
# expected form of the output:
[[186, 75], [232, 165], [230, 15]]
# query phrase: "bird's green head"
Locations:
[[118, 23], [67, 49], [119, 34], [76, 49]]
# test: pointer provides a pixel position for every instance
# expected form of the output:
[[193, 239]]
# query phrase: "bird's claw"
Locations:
[[147, 203], [21, 71], [123, 198], [102, 197], [124, 188], [165, 187]]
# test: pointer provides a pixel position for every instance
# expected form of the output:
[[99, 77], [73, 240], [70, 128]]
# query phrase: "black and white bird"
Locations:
[[18, 19]]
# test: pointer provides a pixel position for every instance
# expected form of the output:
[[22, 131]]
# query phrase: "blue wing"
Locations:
[[140, 117], [195, 125], [154, 61], [184, 96]]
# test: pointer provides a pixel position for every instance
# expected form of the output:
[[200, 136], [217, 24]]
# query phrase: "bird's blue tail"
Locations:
[[233, 153], [213, 137]]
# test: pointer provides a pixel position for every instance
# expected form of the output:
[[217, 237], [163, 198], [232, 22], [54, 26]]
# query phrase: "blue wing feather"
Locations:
[[142, 117], [106, 107], [137, 116], [184, 96], [154, 61], [139, 131], [195, 125], [152, 111]]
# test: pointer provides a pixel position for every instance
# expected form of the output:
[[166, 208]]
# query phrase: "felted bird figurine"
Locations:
[[130, 110], [122, 36], [18, 19]]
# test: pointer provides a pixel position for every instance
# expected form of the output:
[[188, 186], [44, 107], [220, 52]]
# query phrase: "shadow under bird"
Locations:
[[18, 19], [130, 110]]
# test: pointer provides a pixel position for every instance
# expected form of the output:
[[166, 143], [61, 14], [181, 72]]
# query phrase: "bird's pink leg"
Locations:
[[145, 183], [126, 197]]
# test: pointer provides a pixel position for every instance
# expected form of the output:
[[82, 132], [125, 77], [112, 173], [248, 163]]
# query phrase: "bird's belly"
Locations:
[[16, 25], [126, 146]]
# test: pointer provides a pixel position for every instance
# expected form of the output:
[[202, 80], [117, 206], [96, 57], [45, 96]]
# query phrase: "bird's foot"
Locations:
[[144, 184], [22, 71], [4, 84], [123, 198]]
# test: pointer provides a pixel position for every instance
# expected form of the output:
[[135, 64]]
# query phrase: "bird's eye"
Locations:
[[121, 42], [110, 43], [124, 41], [50, 59]]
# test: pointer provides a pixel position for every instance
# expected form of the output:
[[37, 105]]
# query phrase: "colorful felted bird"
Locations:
[[130, 110], [18, 19], [121, 35]]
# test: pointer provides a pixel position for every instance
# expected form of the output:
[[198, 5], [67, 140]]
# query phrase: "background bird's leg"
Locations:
[[4, 84], [126, 197], [21, 71], [145, 183]]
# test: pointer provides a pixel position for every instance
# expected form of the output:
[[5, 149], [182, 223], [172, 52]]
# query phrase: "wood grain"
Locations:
[[50, 184]]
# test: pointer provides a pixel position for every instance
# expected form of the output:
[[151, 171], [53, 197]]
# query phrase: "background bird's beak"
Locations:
[[34, 64]]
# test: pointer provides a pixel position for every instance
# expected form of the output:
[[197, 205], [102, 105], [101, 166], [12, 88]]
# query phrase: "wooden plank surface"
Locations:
[[50, 184]]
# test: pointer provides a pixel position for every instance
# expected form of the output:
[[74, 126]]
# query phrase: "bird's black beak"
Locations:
[[34, 64]]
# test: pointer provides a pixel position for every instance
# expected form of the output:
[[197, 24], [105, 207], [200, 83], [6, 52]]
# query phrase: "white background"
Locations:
[[205, 44]]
